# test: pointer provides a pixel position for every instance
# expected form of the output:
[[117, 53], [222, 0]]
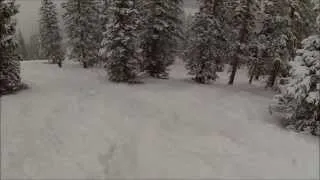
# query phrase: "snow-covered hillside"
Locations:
[[73, 123]]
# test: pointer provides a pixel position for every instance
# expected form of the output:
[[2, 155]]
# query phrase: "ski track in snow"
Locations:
[[74, 124]]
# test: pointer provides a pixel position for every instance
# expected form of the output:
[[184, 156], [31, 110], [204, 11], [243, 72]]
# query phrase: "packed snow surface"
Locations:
[[74, 124]]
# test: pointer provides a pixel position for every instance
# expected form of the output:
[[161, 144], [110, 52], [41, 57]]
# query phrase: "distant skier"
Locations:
[[58, 60]]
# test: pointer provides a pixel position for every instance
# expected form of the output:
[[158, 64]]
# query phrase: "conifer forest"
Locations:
[[102, 89]]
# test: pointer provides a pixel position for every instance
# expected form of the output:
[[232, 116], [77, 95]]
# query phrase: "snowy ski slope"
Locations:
[[73, 123]]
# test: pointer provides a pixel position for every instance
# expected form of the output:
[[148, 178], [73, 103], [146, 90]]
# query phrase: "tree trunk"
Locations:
[[274, 73], [234, 71], [242, 39], [85, 65], [272, 80], [60, 64], [251, 78], [257, 77]]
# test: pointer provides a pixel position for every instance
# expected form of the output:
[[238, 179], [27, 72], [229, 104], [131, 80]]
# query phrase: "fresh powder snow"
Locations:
[[75, 124]]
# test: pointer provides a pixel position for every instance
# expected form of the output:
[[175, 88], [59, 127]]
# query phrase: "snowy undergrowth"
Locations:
[[74, 123]]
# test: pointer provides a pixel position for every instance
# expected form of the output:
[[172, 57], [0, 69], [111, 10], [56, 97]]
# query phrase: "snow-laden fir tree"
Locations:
[[244, 24], [81, 20], [161, 31], [10, 80], [298, 16], [104, 17], [302, 17], [255, 50], [277, 37], [283, 31], [104, 14], [206, 44], [226, 13], [50, 36], [299, 102], [119, 50], [186, 30], [256, 64]]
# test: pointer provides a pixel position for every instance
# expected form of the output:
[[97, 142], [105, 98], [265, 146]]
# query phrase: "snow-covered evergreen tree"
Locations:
[[186, 30], [299, 102], [161, 31], [244, 24], [104, 17], [104, 14], [120, 43], [256, 64], [82, 27], [283, 30], [302, 16], [277, 37], [50, 36], [9, 59], [206, 42]]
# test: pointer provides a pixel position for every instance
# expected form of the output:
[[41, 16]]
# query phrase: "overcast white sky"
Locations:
[[29, 14]]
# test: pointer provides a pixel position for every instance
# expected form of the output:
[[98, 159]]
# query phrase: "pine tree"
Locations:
[[10, 80], [50, 35], [281, 33], [207, 41], [22, 48], [302, 16], [256, 63], [104, 14], [299, 101], [81, 21], [277, 37], [256, 49], [161, 31], [244, 24], [186, 30], [119, 50], [104, 17]]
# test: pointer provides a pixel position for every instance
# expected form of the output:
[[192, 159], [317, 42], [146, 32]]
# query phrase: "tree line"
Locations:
[[133, 36], [31, 49]]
